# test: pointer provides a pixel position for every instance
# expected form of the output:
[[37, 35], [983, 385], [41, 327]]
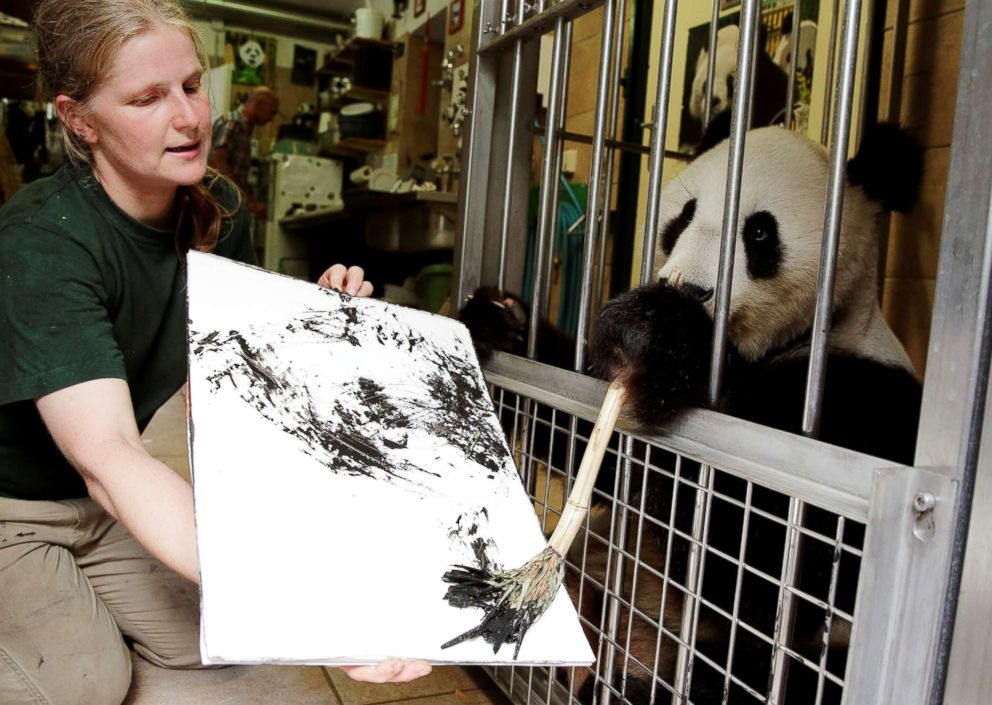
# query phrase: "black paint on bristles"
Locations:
[[512, 599]]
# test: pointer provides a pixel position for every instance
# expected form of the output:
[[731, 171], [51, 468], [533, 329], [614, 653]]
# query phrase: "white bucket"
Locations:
[[368, 23]]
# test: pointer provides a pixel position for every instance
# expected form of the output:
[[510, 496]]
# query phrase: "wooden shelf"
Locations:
[[310, 219], [353, 147], [358, 94], [341, 62]]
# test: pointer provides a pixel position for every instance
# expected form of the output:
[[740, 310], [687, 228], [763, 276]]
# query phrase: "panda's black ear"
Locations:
[[717, 130], [889, 166]]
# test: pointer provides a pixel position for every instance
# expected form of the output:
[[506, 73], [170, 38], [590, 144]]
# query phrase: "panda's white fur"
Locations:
[[784, 174]]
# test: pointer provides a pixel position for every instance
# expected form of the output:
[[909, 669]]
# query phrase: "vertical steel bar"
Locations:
[[595, 173], [669, 540], [832, 220], [467, 256], [869, 38], [642, 507], [955, 391], [787, 603], [548, 204], [790, 92], [900, 29], [735, 168], [604, 230], [825, 289], [694, 580], [831, 597], [612, 589], [556, 168], [741, 557], [711, 65], [656, 160], [740, 117], [511, 163], [831, 60]]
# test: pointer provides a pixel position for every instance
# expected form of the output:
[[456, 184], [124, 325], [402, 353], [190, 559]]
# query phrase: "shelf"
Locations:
[[341, 62], [357, 94], [310, 219], [353, 147]]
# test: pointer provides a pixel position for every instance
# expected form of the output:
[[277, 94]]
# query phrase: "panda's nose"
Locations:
[[699, 293]]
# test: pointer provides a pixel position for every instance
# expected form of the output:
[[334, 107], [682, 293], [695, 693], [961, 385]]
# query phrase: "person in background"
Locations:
[[230, 152], [97, 539], [10, 172]]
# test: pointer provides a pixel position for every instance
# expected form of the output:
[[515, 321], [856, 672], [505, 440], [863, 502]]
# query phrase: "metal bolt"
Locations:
[[924, 502]]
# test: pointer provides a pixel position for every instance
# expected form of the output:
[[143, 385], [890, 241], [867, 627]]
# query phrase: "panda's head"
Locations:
[[724, 75], [779, 231]]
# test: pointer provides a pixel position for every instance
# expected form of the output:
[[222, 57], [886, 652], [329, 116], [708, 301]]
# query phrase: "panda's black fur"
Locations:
[[659, 337]]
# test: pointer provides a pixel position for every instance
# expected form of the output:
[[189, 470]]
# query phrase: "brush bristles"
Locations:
[[512, 599]]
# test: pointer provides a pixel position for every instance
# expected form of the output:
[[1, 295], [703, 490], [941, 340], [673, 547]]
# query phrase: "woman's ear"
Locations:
[[74, 118]]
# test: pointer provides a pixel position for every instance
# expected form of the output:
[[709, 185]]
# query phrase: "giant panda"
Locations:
[[658, 338]]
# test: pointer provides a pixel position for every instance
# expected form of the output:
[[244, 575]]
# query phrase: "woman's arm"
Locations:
[[93, 425]]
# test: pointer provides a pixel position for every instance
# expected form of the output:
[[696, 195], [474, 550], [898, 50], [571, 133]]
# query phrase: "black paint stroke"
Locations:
[[367, 423], [343, 440], [466, 532]]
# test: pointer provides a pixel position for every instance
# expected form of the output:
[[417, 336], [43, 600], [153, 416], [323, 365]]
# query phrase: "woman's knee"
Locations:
[[101, 677]]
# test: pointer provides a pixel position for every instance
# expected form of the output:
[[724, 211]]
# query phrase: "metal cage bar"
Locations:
[[656, 161], [595, 180]]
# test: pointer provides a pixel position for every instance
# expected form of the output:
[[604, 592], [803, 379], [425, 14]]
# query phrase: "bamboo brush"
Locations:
[[514, 599]]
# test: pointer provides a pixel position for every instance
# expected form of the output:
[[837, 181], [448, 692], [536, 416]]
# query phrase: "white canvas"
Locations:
[[345, 454]]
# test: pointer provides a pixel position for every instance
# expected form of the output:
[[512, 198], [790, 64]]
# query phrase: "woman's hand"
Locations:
[[392, 670], [350, 280]]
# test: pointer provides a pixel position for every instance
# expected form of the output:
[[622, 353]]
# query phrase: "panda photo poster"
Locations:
[[345, 454]]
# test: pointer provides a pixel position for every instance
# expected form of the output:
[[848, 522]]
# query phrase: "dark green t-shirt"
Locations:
[[86, 292]]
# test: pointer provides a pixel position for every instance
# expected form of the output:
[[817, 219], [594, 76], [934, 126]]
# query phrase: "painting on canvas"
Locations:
[[345, 454]]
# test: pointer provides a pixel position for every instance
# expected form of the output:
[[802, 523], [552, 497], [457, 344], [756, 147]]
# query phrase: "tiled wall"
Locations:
[[927, 109]]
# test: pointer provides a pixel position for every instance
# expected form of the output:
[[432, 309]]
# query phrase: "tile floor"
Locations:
[[165, 439]]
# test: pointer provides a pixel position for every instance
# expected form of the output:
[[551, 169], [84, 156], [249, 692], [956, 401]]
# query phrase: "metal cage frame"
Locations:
[[921, 625]]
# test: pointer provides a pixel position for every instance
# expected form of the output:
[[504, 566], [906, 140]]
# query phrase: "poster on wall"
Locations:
[[345, 454], [771, 73], [304, 65], [254, 58]]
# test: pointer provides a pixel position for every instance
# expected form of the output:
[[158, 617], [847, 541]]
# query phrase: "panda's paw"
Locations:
[[656, 340], [496, 320]]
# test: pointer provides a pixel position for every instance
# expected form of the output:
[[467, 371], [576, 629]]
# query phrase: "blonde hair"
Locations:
[[77, 43]]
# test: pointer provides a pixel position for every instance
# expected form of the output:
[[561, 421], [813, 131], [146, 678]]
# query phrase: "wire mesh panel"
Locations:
[[674, 606]]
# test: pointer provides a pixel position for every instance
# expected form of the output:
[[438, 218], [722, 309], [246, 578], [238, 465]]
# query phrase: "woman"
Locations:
[[92, 328]]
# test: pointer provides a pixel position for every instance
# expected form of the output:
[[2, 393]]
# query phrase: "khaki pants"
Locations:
[[75, 589]]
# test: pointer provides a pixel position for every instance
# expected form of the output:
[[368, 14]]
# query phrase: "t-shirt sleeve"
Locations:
[[55, 329]]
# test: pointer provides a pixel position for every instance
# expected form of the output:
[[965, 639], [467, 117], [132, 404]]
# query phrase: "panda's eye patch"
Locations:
[[761, 245], [676, 226]]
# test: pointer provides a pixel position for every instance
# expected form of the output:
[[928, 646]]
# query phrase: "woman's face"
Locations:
[[150, 119]]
